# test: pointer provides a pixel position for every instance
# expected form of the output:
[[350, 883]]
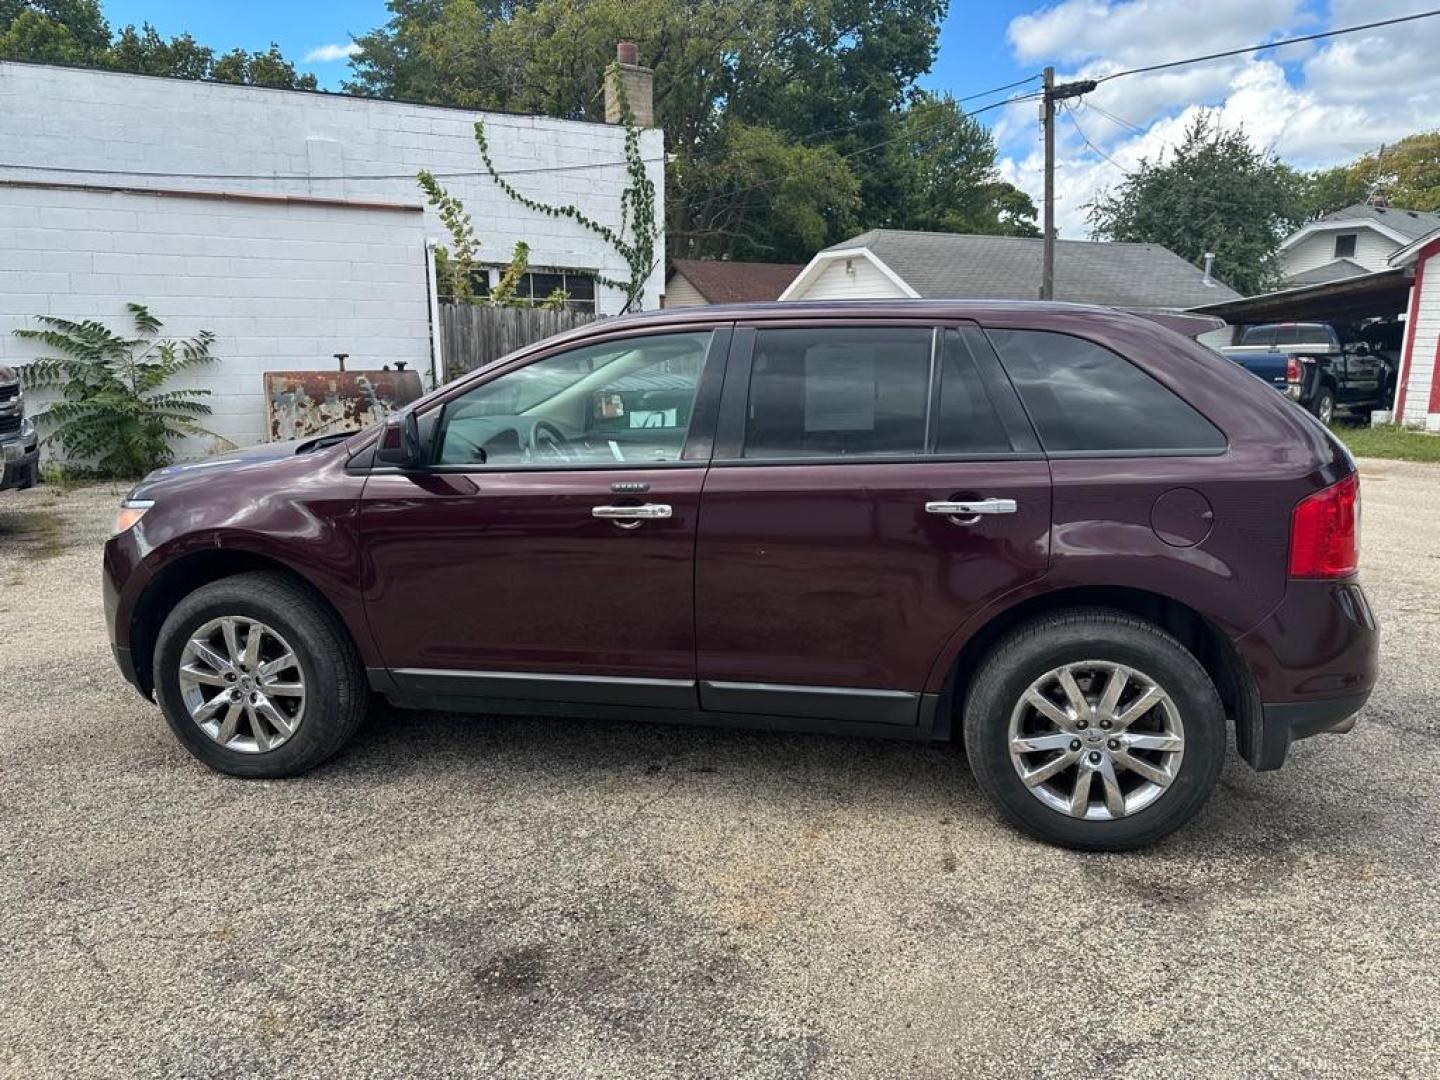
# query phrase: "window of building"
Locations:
[[1083, 398], [838, 392], [1345, 246]]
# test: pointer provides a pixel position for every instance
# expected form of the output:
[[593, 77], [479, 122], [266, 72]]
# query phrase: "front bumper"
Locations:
[[20, 455], [1315, 660]]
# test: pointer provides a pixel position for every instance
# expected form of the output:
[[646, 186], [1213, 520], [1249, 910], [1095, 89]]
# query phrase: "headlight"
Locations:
[[131, 511], [27, 428]]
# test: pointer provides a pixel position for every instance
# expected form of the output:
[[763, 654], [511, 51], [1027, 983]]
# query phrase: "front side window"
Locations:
[[623, 402], [838, 392], [1083, 398]]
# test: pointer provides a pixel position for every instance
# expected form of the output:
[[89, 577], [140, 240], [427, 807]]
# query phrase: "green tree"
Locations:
[[1406, 174], [1216, 193], [53, 31], [802, 112], [75, 32]]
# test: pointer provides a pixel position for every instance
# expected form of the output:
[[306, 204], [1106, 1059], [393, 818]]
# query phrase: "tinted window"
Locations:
[[1259, 335], [619, 402], [845, 391], [1312, 334], [1083, 397], [968, 419]]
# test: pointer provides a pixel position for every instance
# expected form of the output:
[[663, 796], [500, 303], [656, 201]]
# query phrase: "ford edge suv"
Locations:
[[1070, 536]]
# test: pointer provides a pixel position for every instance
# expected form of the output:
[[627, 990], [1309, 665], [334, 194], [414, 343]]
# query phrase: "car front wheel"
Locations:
[[1096, 730], [257, 677]]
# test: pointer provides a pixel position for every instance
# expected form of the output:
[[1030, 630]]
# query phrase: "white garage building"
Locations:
[[289, 223], [1417, 401]]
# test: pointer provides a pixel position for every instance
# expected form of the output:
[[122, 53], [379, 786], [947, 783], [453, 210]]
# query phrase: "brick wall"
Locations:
[[282, 285]]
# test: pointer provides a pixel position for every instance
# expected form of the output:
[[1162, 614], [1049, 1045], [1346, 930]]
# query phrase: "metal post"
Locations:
[[1047, 119]]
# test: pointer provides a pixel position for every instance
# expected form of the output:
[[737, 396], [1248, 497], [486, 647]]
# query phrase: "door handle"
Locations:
[[632, 514], [972, 509]]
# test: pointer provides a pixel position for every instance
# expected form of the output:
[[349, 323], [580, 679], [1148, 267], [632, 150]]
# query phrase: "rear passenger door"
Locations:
[[872, 486]]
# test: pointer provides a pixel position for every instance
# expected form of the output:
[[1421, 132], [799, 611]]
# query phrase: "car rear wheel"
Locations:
[[1094, 729], [257, 677], [1324, 405]]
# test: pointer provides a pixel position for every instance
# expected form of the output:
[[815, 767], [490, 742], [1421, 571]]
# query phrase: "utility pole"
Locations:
[[1047, 120], [1053, 94]]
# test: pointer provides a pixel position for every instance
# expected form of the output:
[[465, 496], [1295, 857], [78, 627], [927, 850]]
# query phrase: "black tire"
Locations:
[[1323, 405], [337, 692], [1093, 634]]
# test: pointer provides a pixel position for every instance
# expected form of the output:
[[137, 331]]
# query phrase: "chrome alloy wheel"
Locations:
[[1096, 740], [242, 684]]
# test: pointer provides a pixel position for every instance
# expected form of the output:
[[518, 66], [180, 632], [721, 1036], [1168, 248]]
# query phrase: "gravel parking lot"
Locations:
[[461, 896]]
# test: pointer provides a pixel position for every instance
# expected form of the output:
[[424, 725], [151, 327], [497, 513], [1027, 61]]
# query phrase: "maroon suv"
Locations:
[[1071, 533]]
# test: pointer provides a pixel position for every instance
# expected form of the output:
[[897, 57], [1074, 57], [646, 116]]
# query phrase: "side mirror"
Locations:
[[400, 442]]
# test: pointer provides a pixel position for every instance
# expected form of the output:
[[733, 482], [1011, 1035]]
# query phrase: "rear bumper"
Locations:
[[1315, 660], [1283, 722]]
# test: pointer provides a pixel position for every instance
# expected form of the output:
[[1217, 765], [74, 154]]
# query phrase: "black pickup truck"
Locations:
[[1320, 365]]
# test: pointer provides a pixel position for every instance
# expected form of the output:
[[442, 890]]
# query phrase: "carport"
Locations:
[[1404, 287]]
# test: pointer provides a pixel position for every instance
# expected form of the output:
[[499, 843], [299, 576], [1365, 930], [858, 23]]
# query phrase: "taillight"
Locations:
[[1292, 370], [1325, 531]]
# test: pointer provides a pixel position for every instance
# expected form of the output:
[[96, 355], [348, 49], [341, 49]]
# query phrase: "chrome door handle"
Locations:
[[648, 512], [972, 509]]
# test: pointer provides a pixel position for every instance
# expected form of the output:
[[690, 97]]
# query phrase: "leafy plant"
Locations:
[[112, 409]]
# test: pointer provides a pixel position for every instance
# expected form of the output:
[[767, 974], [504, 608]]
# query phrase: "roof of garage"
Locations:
[[1379, 294]]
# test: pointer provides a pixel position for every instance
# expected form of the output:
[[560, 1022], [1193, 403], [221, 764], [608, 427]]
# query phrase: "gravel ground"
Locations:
[[531, 898]]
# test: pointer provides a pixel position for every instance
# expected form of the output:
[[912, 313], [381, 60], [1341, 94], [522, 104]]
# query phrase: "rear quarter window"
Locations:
[[1083, 398]]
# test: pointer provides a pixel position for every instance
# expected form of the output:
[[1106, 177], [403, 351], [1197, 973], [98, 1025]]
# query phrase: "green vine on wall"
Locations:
[[637, 205]]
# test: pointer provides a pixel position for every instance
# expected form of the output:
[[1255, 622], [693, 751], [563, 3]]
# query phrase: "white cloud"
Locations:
[[327, 54], [1314, 104]]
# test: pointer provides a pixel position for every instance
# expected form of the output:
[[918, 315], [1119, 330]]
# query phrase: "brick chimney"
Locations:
[[639, 84]]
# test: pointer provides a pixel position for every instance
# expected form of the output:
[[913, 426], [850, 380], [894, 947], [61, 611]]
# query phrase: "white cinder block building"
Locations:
[[289, 223]]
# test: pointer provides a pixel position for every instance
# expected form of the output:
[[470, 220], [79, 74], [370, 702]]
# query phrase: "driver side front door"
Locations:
[[548, 554]]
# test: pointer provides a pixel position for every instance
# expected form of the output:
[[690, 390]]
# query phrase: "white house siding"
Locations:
[[1422, 348], [865, 283], [282, 285], [679, 293], [1372, 250]]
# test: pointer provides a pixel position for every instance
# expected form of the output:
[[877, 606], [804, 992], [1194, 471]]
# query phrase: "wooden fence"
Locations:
[[472, 336]]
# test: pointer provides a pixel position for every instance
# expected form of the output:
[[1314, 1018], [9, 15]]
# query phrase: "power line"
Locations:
[[1271, 45], [1120, 120], [310, 176], [1070, 112], [867, 149]]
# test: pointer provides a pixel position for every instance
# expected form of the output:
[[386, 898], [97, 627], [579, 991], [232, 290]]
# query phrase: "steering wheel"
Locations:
[[548, 441]]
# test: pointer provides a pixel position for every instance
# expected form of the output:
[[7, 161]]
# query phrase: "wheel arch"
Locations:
[[1207, 642], [177, 579]]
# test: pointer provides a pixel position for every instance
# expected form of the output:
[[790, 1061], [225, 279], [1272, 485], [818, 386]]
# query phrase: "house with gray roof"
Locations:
[[895, 263], [1359, 239]]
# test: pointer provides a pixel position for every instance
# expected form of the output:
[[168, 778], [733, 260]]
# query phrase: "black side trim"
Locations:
[[541, 687], [1286, 721], [849, 704], [630, 713]]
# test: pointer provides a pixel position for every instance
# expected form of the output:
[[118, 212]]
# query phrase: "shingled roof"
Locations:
[[959, 266], [1410, 223], [725, 282]]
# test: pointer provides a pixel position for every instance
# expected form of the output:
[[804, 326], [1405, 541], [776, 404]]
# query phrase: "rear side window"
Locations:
[[968, 420], [1083, 398], [838, 392]]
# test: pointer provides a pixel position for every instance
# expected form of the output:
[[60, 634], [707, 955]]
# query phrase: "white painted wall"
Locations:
[[1372, 250], [1422, 351], [282, 285], [866, 282]]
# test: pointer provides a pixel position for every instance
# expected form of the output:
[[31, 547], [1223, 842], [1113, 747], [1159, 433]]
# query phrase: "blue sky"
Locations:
[[1314, 105]]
